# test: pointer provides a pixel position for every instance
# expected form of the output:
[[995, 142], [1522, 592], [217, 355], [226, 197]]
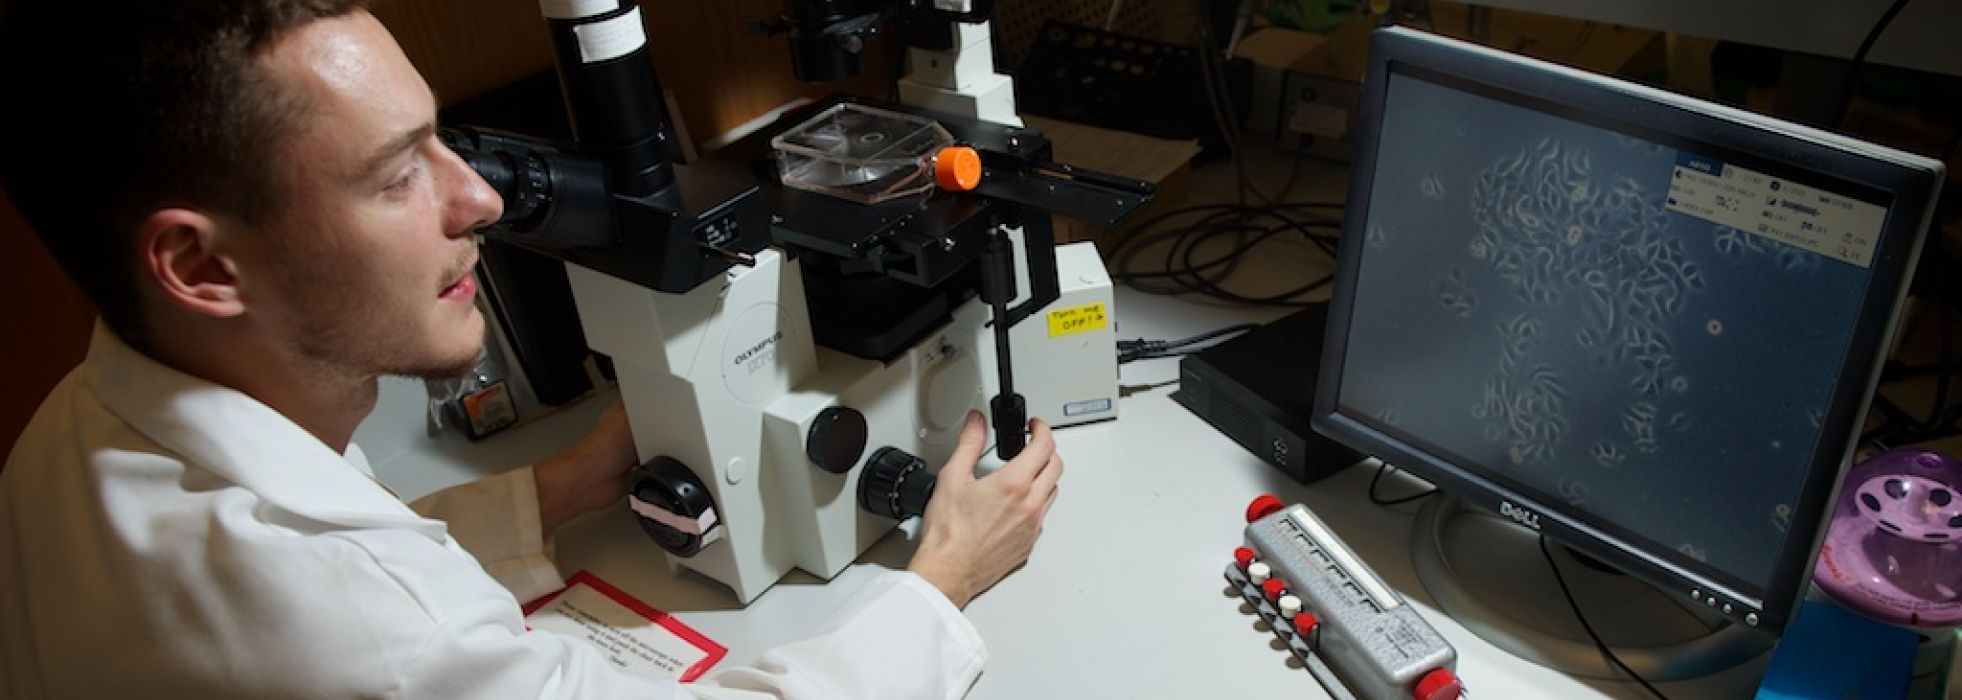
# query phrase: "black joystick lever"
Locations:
[[895, 484], [1010, 412]]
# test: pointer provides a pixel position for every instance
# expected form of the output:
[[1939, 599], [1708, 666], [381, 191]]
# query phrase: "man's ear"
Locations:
[[180, 256]]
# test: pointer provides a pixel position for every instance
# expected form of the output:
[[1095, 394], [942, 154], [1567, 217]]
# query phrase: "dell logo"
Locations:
[[1519, 515]]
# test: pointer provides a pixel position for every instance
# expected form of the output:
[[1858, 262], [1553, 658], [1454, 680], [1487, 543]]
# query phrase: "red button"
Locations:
[[1305, 623], [1243, 556], [1438, 685], [1263, 505], [1274, 589]]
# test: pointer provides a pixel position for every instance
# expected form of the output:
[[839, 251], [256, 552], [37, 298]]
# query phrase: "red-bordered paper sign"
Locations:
[[616, 624]]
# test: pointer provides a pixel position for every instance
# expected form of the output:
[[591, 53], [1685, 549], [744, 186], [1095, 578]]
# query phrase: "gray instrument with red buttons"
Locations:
[[1355, 634]]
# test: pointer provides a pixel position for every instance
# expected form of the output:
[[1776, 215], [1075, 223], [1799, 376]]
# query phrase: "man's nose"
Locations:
[[472, 204]]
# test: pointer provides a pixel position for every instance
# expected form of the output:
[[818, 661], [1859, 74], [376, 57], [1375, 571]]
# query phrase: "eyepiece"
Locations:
[[552, 199]]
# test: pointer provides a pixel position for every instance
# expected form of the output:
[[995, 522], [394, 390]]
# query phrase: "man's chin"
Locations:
[[439, 372], [454, 363]]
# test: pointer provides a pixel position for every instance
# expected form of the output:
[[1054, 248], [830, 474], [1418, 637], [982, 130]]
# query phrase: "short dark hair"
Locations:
[[116, 110]]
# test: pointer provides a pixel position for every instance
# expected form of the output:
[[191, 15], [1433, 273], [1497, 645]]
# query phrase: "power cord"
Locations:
[[1142, 349], [1219, 98], [1591, 634], [1192, 263], [1860, 59]]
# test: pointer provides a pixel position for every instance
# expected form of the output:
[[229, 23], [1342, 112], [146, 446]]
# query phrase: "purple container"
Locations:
[[1893, 550]]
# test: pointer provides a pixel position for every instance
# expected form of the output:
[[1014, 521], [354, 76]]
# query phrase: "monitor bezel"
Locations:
[[1909, 180]]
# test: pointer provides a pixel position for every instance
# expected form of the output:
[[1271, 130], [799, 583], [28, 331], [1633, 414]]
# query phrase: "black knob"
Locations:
[[836, 439], [1011, 414], [673, 506], [895, 484]]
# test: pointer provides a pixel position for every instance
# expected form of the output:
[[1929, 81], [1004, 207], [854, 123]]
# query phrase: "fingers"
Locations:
[[973, 440], [1035, 455], [1045, 481]]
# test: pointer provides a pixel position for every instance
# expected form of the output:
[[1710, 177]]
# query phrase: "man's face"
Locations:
[[366, 269]]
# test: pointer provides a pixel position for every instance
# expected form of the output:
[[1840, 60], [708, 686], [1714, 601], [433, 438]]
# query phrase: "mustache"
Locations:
[[465, 263]]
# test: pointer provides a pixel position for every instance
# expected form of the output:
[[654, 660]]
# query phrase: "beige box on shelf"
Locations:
[[1306, 85], [1166, 163]]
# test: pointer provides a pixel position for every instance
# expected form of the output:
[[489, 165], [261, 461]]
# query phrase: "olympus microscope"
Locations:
[[798, 328]]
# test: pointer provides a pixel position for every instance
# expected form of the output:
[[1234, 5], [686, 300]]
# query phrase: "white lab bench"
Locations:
[[1124, 595]]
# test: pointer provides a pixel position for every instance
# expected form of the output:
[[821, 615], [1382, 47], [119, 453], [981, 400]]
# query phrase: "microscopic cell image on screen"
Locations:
[[1644, 333]]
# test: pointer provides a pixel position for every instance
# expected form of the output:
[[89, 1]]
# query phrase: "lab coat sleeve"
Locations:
[[899, 637], [496, 520]]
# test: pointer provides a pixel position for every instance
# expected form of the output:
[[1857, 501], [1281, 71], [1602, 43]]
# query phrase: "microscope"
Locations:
[[795, 360]]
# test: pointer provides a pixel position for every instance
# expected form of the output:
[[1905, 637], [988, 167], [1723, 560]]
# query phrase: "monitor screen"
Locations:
[[1648, 323]]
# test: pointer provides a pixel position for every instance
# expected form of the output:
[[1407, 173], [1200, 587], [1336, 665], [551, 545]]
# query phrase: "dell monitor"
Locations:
[[1643, 325]]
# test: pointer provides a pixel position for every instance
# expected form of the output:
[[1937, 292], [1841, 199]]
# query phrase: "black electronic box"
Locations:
[[1258, 389]]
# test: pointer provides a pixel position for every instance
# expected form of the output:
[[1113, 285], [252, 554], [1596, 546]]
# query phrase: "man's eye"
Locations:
[[402, 183]]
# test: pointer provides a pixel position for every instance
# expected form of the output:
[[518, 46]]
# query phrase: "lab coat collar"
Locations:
[[243, 441]]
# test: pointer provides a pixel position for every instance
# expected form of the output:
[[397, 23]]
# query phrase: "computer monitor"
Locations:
[[1645, 325]]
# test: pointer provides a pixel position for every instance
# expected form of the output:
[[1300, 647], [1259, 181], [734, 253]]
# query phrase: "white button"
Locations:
[[1751, 619], [1258, 572], [1726, 608], [1289, 606]]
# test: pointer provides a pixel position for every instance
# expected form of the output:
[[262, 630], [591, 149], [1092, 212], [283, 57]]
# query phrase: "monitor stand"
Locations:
[[1488, 574]]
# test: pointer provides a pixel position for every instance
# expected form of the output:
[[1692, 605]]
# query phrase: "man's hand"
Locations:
[[976, 531], [590, 476]]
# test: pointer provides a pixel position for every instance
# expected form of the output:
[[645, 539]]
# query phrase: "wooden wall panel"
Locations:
[[45, 324]]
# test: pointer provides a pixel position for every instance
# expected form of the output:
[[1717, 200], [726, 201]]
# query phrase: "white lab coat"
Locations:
[[161, 536]]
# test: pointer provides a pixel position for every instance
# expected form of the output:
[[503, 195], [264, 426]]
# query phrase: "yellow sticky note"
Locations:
[[1077, 319]]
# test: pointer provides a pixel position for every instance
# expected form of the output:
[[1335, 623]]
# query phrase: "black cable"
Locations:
[[1860, 59], [1580, 42], [1279, 206], [1142, 349], [1898, 426], [1947, 341], [897, 37], [1400, 500], [1591, 634], [1219, 100], [1187, 270]]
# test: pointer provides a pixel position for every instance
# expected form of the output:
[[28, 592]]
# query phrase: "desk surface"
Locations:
[[1123, 596]]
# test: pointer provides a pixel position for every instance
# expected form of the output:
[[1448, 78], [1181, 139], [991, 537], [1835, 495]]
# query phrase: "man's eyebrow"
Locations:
[[396, 146]]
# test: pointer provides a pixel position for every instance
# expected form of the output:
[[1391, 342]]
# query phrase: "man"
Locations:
[[252, 194]]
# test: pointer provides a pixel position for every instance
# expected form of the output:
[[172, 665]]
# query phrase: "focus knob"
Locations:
[[674, 506], [895, 484], [836, 439]]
